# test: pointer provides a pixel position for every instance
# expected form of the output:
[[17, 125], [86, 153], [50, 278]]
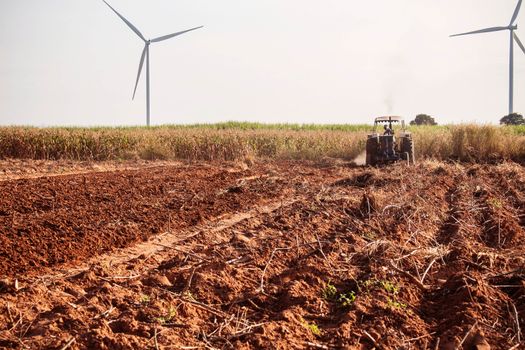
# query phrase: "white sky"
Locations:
[[74, 62]]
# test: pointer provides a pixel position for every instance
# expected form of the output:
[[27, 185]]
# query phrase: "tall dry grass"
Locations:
[[176, 143], [470, 142], [232, 141]]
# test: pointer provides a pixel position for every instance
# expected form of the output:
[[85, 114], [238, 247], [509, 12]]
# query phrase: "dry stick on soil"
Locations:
[[68, 344], [315, 345], [321, 247], [253, 304], [428, 269], [412, 278], [219, 329], [105, 313], [420, 337], [209, 346], [188, 284], [466, 335], [390, 207], [24, 346], [196, 303], [517, 320], [72, 305], [155, 339], [261, 285], [122, 277], [499, 232], [241, 318], [372, 339], [17, 322], [234, 260], [506, 286], [417, 271], [437, 344], [245, 331], [9, 313], [468, 290], [23, 334], [409, 254]]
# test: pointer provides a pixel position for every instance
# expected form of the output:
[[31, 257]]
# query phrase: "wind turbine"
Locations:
[[145, 55], [513, 36]]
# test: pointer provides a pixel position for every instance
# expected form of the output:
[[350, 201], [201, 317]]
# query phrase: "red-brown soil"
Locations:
[[284, 255], [11, 169]]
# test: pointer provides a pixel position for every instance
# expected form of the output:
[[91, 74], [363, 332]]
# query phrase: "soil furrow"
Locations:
[[83, 215], [279, 255]]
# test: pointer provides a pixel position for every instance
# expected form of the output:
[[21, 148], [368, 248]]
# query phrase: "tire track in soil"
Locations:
[[50, 221], [165, 241]]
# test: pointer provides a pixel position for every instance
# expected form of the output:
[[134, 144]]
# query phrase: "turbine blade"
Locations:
[[169, 36], [486, 30], [520, 44], [131, 26], [516, 12], [140, 69]]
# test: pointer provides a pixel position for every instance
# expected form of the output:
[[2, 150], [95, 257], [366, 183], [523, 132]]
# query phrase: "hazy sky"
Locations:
[[74, 62]]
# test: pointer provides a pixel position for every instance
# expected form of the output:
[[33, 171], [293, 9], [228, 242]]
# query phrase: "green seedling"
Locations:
[[314, 328], [367, 285], [347, 299], [494, 203], [394, 304], [170, 315], [187, 294], [371, 236], [145, 299], [390, 287], [329, 292], [343, 300]]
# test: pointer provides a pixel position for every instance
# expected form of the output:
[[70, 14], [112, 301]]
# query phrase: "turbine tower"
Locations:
[[513, 37], [145, 55]]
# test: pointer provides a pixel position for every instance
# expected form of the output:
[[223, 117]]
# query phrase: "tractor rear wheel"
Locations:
[[371, 151], [407, 146]]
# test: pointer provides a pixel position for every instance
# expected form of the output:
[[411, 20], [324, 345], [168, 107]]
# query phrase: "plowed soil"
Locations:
[[283, 255]]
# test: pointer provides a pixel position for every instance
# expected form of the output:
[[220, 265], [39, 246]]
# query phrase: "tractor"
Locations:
[[385, 147]]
